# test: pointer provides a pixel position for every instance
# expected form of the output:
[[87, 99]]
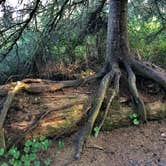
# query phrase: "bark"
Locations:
[[118, 59], [117, 37], [150, 71]]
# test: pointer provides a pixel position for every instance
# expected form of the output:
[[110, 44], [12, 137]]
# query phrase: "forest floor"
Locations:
[[143, 145]]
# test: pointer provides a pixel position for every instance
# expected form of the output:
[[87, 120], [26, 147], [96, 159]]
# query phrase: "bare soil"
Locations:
[[143, 145]]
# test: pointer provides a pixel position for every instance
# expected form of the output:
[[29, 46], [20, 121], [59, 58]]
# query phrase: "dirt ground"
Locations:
[[143, 145]]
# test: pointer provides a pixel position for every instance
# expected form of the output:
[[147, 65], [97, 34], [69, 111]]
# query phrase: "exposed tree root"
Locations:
[[115, 74], [86, 130], [95, 76], [40, 85], [138, 102], [111, 77], [150, 70], [39, 88], [115, 91]]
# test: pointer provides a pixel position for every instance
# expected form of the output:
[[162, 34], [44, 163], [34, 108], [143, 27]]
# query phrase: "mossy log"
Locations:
[[42, 107], [119, 116]]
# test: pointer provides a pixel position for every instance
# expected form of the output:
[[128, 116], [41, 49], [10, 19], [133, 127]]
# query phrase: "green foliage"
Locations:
[[47, 162], [134, 118], [80, 52], [70, 41], [28, 156], [96, 131], [144, 37], [61, 144]]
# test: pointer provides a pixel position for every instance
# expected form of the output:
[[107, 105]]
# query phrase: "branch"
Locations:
[[21, 30], [57, 17], [92, 21], [159, 12], [2, 1]]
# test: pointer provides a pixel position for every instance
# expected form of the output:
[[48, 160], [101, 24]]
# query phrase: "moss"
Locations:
[[108, 125], [51, 130], [115, 104]]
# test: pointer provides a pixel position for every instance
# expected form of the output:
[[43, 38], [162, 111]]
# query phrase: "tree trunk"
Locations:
[[118, 60], [117, 36]]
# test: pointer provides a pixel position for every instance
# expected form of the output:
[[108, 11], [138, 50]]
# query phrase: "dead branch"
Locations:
[[5, 109]]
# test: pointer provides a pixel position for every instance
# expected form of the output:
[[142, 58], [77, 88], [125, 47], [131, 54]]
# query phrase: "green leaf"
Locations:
[[45, 144], [27, 163], [136, 122], [37, 163], [134, 115], [12, 161], [32, 156], [26, 149], [16, 155], [4, 164], [96, 130], [17, 163], [61, 144], [25, 158], [34, 140], [47, 162], [36, 146], [42, 138], [12, 151], [2, 151], [28, 143]]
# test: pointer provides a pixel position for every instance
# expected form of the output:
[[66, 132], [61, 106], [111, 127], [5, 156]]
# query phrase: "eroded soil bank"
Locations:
[[144, 145]]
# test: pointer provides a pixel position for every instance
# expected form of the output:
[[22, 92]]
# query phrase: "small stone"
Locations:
[[163, 134]]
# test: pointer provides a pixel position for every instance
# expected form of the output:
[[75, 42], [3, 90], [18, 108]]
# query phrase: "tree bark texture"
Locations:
[[117, 36]]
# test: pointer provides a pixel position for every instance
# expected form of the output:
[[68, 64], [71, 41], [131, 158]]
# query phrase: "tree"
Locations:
[[118, 59], [118, 55]]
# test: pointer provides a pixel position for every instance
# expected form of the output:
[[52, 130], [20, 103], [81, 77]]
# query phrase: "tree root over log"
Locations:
[[137, 101], [41, 107]]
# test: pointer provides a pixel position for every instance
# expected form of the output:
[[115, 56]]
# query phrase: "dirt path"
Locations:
[[134, 146]]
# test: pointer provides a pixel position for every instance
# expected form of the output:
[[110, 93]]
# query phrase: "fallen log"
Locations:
[[42, 107]]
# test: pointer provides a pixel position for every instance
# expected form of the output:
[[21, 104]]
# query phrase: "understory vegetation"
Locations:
[[28, 156], [73, 33]]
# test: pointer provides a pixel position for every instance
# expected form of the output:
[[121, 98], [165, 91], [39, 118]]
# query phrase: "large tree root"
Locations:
[[115, 91], [145, 70], [137, 101], [86, 130], [149, 70], [53, 112]]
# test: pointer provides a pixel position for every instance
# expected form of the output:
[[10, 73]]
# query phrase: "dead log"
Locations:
[[42, 107], [119, 115]]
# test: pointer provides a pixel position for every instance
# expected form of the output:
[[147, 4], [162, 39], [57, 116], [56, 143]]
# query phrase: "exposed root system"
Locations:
[[63, 112]]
